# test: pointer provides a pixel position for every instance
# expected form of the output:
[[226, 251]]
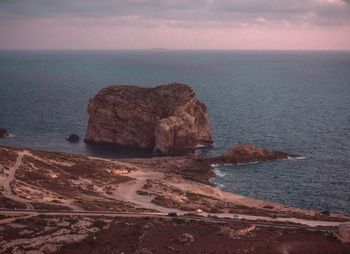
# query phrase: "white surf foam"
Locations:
[[219, 173], [296, 158]]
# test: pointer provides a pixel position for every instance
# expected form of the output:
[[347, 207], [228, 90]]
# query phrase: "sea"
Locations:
[[293, 101]]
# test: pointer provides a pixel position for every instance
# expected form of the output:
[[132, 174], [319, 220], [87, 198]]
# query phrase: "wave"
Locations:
[[219, 173], [296, 158], [222, 165], [247, 163], [255, 162], [300, 158]]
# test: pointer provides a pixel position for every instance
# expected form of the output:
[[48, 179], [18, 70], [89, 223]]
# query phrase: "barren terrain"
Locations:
[[50, 201]]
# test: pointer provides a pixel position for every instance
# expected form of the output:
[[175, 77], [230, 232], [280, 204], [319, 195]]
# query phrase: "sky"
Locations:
[[175, 24]]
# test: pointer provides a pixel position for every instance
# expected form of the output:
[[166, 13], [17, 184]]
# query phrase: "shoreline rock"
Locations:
[[165, 119], [247, 153], [4, 133]]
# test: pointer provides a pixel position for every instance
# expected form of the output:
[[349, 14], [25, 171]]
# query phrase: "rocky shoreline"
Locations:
[[87, 189], [70, 179]]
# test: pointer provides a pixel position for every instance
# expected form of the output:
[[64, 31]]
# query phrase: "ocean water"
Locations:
[[293, 101]]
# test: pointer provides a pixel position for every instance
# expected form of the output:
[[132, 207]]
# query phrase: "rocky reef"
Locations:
[[166, 119], [247, 153]]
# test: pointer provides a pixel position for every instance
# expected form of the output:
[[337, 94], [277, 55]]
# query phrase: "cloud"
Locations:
[[223, 24], [181, 12]]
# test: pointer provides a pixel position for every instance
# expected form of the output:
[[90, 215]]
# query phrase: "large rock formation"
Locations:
[[166, 119], [247, 153]]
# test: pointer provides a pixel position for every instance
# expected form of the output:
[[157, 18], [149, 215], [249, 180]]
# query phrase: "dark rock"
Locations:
[[73, 138], [3, 133]]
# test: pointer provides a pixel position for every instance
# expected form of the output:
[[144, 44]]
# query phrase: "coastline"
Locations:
[[62, 203], [171, 183], [219, 173]]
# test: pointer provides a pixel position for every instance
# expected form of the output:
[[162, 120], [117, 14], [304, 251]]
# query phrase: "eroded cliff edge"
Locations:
[[167, 118]]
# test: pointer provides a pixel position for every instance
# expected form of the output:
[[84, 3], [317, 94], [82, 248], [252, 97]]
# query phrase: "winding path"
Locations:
[[7, 192], [11, 178], [128, 192]]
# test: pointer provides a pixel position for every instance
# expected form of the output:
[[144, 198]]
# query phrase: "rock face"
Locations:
[[246, 153], [3, 133], [166, 119]]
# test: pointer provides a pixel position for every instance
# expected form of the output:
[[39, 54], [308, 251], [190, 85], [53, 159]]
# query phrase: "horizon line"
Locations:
[[166, 49]]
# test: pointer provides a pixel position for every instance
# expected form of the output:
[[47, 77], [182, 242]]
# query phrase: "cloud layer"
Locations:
[[324, 12], [195, 16]]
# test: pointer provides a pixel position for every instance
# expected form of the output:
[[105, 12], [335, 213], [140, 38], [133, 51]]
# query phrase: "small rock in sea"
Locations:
[[73, 138], [3, 133], [186, 238]]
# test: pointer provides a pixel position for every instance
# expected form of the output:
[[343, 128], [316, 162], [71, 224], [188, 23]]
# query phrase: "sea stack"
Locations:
[[166, 119]]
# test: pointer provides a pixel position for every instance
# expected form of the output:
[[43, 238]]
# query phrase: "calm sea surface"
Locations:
[[298, 102]]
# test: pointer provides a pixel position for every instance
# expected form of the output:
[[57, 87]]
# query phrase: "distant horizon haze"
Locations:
[[174, 49], [191, 24]]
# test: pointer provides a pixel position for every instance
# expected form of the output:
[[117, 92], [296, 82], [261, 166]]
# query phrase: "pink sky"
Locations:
[[142, 24]]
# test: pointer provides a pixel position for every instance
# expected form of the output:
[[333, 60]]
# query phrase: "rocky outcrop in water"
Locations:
[[73, 138], [166, 119], [247, 153], [3, 133]]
